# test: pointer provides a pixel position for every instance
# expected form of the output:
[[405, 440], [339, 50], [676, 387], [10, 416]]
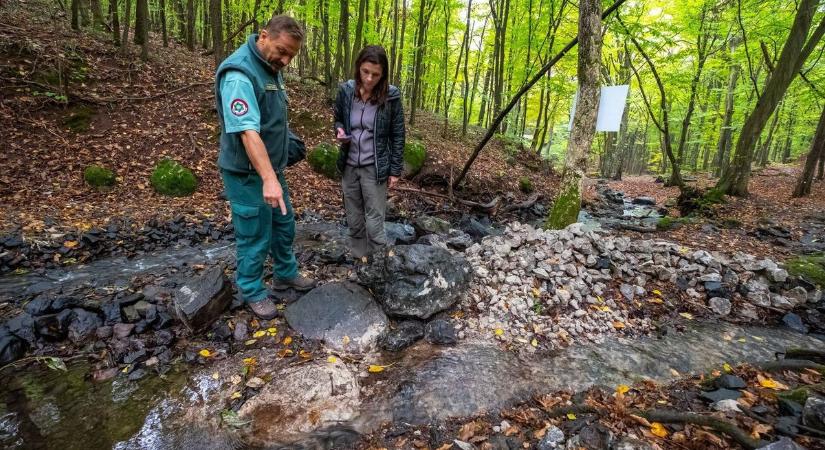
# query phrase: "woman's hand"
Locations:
[[342, 136], [393, 181]]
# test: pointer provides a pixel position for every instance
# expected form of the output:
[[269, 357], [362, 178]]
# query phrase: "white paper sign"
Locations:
[[611, 107]]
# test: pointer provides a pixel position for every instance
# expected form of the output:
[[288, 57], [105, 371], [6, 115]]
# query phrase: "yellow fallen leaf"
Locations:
[[687, 315], [534, 342], [205, 353], [657, 292], [770, 383], [332, 360], [599, 299], [125, 369], [259, 334], [374, 368], [235, 395], [656, 300], [727, 368], [658, 429], [284, 352], [742, 340], [622, 389], [346, 340], [760, 339], [250, 341], [216, 376], [675, 373], [272, 330], [70, 244], [618, 325], [571, 416], [304, 354], [499, 332], [536, 292], [250, 361], [287, 340]]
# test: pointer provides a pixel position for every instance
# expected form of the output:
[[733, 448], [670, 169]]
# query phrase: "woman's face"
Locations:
[[370, 75]]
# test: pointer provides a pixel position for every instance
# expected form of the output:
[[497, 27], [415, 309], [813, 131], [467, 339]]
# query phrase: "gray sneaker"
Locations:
[[299, 283], [264, 309]]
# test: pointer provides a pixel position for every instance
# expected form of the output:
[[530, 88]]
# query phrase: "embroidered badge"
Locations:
[[239, 107]]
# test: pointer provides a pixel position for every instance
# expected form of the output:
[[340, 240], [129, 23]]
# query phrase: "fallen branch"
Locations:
[[791, 364], [485, 206], [575, 409], [531, 200], [742, 437], [804, 353]]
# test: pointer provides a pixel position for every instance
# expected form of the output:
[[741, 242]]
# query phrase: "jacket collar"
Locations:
[[251, 43], [392, 94]]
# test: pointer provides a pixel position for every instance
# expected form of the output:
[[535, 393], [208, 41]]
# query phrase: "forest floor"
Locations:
[[69, 99]]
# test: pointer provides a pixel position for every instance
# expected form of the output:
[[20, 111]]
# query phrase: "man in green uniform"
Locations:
[[256, 146]]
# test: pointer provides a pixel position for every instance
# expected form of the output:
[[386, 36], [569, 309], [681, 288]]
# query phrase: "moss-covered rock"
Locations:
[[97, 176], [173, 179], [525, 185], [809, 267], [414, 155], [323, 159]]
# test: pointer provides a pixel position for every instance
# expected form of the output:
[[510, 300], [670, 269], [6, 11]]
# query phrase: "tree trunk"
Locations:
[[190, 25], [327, 52], [816, 155], [127, 18], [113, 16], [342, 55], [568, 202], [97, 14], [794, 52], [75, 14], [142, 28], [163, 23], [420, 48], [786, 153], [217, 30], [721, 160], [393, 76], [465, 113], [764, 150], [359, 31], [206, 25]]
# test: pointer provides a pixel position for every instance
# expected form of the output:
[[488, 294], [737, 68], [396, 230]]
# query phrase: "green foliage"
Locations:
[[809, 267], [414, 155], [171, 178], [323, 159], [525, 185], [799, 395], [668, 223], [566, 207], [79, 119], [98, 176]]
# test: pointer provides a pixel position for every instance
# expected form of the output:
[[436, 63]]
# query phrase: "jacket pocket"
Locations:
[[246, 220]]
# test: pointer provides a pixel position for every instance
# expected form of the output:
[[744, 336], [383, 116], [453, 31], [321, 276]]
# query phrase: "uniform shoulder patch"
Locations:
[[239, 107]]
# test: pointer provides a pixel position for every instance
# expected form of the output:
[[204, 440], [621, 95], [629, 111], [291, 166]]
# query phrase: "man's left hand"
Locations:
[[393, 181]]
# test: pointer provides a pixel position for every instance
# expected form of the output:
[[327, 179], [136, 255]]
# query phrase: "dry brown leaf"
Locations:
[[513, 430], [759, 429], [467, 431]]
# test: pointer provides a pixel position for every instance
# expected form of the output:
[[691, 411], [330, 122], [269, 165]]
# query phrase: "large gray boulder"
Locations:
[[203, 299], [416, 281], [343, 315]]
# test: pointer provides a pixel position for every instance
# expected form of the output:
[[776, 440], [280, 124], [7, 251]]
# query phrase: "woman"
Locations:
[[369, 123]]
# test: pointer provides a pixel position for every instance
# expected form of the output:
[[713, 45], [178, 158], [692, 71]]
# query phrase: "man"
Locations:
[[255, 148]]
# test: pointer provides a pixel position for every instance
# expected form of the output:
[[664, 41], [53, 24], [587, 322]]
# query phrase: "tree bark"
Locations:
[[568, 202], [163, 23], [142, 28], [764, 150], [794, 52], [127, 18], [815, 155], [75, 14], [723, 147], [190, 25], [217, 30], [113, 16], [465, 117], [359, 31]]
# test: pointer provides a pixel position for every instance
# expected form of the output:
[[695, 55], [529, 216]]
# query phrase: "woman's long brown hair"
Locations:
[[377, 55]]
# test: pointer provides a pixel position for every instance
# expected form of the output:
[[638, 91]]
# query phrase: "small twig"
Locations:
[[720, 425]]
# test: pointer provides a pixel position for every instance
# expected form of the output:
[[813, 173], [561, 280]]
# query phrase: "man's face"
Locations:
[[278, 50]]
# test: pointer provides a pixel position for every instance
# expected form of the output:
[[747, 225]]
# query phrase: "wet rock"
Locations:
[[111, 313], [130, 314], [459, 240], [12, 347], [794, 322], [403, 335], [104, 332], [435, 240], [22, 326], [779, 301], [203, 299], [431, 225], [628, 443], [52, 326], [716, 289], [328, 392], [788, 407], [141, 326], [644, 201], [628, 291], [163, 320], [82, 325], [730, 382], [241, 331], [477, 229], [726, 406], [416, 280], [591, 437], [813, 414], [39, 306], [440, 332], [343, 315], [553, 439], [122, 330], [787, 425], [720, 306], [101, 375], [777, 275], [164, 338], [137, 355], [797, 295], [783, 443], [136, 375], [720, 394], [399, 233]]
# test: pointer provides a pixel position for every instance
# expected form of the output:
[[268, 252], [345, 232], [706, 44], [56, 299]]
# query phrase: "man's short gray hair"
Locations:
[[284, 24]]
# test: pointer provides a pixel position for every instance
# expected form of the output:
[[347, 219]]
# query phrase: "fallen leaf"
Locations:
[[287, 340], [70, 244], [571, 416], [622, 389], [216, 376], [235, 396], [467, 431], [205, 353], [687, 315], [656, 300], [657, 292], [284, 352], [727, 368], [373, 368], [250, 361], [259, 334], [304, 354], [255, 383], [514, 429], [770, 383], [658, 429], [235, 379], [272, 331], [759, 429], [332, 360], [534, 342], [675, 373], [346, 340], [250, 341], [231, 418], [499, 332], [618, 325]]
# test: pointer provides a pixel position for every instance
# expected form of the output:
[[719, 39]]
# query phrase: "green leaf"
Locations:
[[230, 418], [54, 363]]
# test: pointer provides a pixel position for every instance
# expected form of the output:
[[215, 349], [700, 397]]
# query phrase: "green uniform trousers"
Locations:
[[260, 230]]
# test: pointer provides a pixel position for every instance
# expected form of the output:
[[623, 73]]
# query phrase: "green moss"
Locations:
[[79, 119], [809, 267], [525, 185], [668, 223], [98, 176], [171, 178], [713, 197], [799, 395], [414, 155], [324, 160], [566, 207]]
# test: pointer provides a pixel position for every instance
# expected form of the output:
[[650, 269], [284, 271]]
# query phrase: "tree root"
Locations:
[[804, 353], [723, 426], [791, 364]]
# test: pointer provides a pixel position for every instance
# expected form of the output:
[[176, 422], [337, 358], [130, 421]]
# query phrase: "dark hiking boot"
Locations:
[[264, 309], [299, 283]]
